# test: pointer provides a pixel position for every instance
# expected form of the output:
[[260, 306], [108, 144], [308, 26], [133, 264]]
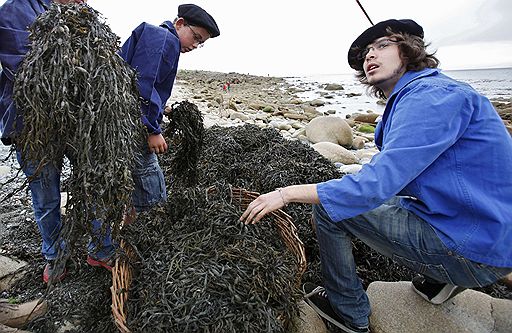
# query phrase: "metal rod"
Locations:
[[364, 11]]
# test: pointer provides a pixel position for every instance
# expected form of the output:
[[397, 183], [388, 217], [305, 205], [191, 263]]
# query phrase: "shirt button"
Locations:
[[450, 253]]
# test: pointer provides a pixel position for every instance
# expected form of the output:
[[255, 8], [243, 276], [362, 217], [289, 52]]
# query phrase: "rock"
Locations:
[[397, 308], [358, 142], [351, 168], [308, 321], [238, 115], [365, 128], [11, 270], [366, 118], [257, 106], [299, 132], [350, 122], [329, 129], [268, 109], [17, 315], [316, 102], [232, 106], [335, 153], [333, 86], [7, 329], [296, 116], [352, 94]]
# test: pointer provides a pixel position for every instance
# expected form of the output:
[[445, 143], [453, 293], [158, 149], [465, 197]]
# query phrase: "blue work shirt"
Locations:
[[154, 53], [444, 145], [15, 18]]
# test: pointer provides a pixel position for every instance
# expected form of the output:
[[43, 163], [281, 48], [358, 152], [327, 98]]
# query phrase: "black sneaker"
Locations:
[[434, 292], [316, 297]]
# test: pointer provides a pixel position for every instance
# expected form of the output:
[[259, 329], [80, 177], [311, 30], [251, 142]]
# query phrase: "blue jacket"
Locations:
[[15, 18], [444, 145], [154, 53]]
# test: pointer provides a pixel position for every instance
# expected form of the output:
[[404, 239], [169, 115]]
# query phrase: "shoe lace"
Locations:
[[320, 291]]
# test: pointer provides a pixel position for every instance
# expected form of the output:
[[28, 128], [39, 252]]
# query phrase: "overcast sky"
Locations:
[[294, 37]]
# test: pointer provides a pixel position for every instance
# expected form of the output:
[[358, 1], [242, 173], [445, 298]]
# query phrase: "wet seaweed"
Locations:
[[207, 272], [186, 131], [79, 99]]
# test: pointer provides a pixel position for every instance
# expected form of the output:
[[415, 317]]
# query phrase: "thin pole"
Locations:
[[364, 11]]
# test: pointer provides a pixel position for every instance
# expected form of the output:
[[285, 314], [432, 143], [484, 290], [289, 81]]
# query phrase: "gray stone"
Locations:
[[397, 308], [333, 86], [11, 270], [316, 102], [308, 321], [335, 153], [329, 129]]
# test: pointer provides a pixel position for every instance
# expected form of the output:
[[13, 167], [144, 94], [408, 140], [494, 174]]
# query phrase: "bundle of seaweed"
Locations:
[[186, 130], [261, 160], [79, 99], [208, 272]]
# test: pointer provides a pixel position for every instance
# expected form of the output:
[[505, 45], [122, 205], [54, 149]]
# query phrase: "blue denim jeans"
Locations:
[[149, 181], [398, 234], [45, 192]]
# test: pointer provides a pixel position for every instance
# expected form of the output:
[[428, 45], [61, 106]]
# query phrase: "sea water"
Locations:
[[495, 84]]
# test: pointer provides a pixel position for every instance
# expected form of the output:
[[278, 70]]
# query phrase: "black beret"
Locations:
[[378, 31], [197, 16]]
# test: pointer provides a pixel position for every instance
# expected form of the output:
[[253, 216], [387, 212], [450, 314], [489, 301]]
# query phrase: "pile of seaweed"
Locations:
[[202, 270], [79, 99]]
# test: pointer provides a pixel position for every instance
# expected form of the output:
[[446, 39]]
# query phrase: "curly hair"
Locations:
[[413, 53]]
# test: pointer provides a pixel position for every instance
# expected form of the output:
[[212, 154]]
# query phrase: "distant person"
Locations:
[[436, 198], [15, 18], [154, 52]]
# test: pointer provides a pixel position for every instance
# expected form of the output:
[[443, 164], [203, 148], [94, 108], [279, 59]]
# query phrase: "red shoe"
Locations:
[[106, 263], [53, 273]]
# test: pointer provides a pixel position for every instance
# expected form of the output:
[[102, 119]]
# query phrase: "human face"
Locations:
[[191, 37], [382, 64]]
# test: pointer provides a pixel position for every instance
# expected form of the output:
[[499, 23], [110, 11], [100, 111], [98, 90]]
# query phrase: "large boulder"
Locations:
[[329, 129], [308, 321], [397, 308]]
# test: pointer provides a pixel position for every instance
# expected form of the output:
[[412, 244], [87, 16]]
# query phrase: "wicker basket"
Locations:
[[122, 272], [284, 225]]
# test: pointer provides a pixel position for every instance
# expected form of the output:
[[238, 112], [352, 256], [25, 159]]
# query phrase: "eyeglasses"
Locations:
[[197, 37], [378, 46]]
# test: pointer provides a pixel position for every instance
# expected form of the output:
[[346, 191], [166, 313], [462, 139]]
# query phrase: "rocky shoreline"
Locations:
[[233, 99], [264, 102]]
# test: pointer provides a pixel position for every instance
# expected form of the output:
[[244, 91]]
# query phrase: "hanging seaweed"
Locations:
[[186, 132], [79, 99]]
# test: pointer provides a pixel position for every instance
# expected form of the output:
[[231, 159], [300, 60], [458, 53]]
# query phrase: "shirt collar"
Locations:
[[169, 26], [410, 76]]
